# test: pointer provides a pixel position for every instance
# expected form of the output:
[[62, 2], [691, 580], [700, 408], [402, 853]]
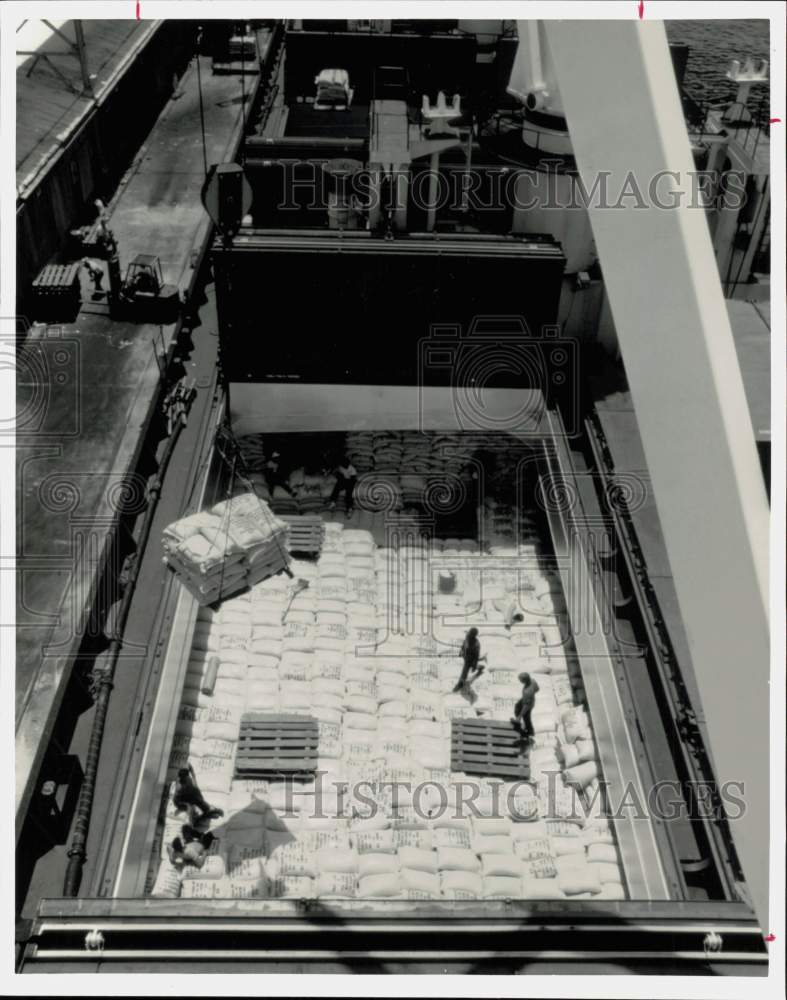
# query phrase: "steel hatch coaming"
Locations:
[[616, 732], [127, 859], [691, 838], [702, 842], [646, 863], [249, 241], [499, 932], [643, 857], [333, 325]]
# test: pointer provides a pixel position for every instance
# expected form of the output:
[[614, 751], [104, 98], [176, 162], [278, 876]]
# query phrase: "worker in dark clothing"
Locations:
[[524, 707], [188, 796], [471, 654], [175, 852], [274, 476], [509, 608], [95, 272], [144, 283], [196, 846], [346, 478], [191, 835], [191, 848], [106, 238]]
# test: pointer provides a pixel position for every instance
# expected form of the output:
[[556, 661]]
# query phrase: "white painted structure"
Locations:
[[677, 346]]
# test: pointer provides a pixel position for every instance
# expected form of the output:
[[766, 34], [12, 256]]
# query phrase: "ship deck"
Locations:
[[91, 435], [45, 863], [616, 416], [158, 211], [616, 413]]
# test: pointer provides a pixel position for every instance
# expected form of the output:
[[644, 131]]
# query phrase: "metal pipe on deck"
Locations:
[[434, 169]]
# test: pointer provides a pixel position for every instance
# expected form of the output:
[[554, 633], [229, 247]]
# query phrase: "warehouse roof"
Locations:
[[51, 100]]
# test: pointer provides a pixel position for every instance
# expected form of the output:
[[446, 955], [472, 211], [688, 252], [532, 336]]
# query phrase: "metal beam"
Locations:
[[44, 57], [81, 50], [76, 49], [59, 33], [624, 115]]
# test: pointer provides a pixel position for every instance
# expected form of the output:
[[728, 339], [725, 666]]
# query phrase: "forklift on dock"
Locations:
[[143, 290]]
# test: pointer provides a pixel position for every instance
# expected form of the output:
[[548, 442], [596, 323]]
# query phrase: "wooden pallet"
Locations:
[[57, 280], [307, 533], [262, 569], [274, 745], [483, 746]]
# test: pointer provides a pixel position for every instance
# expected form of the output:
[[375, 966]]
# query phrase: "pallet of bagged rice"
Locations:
[[218, 552], [210, 586], [249, 520]]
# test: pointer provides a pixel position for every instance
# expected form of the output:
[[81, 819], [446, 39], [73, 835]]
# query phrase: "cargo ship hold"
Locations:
[[358, 243]]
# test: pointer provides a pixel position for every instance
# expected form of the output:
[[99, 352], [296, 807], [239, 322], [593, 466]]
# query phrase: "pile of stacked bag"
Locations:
[[431, 453], [397, 469], [504, 523], [252, 450], [312, 490], [235, 544], [370, 648], [360, 450], [297, 842]]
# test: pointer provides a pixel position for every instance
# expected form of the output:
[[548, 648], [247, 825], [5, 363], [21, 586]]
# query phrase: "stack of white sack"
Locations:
[[360, 449], [379, 866], [284, 503], [458, 865], [234, 545], [310, 853], [309, 488]]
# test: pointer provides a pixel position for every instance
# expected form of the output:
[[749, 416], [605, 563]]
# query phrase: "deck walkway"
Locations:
[[616, 413]]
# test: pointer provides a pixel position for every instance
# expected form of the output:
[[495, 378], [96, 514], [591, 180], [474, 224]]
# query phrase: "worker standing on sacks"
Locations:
[[523, 709], [471, 654], [346, 478], [274, 476], [188, 796], [509, 608]]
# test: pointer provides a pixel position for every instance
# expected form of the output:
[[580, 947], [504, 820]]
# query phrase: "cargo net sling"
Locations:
[[235, 544]]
